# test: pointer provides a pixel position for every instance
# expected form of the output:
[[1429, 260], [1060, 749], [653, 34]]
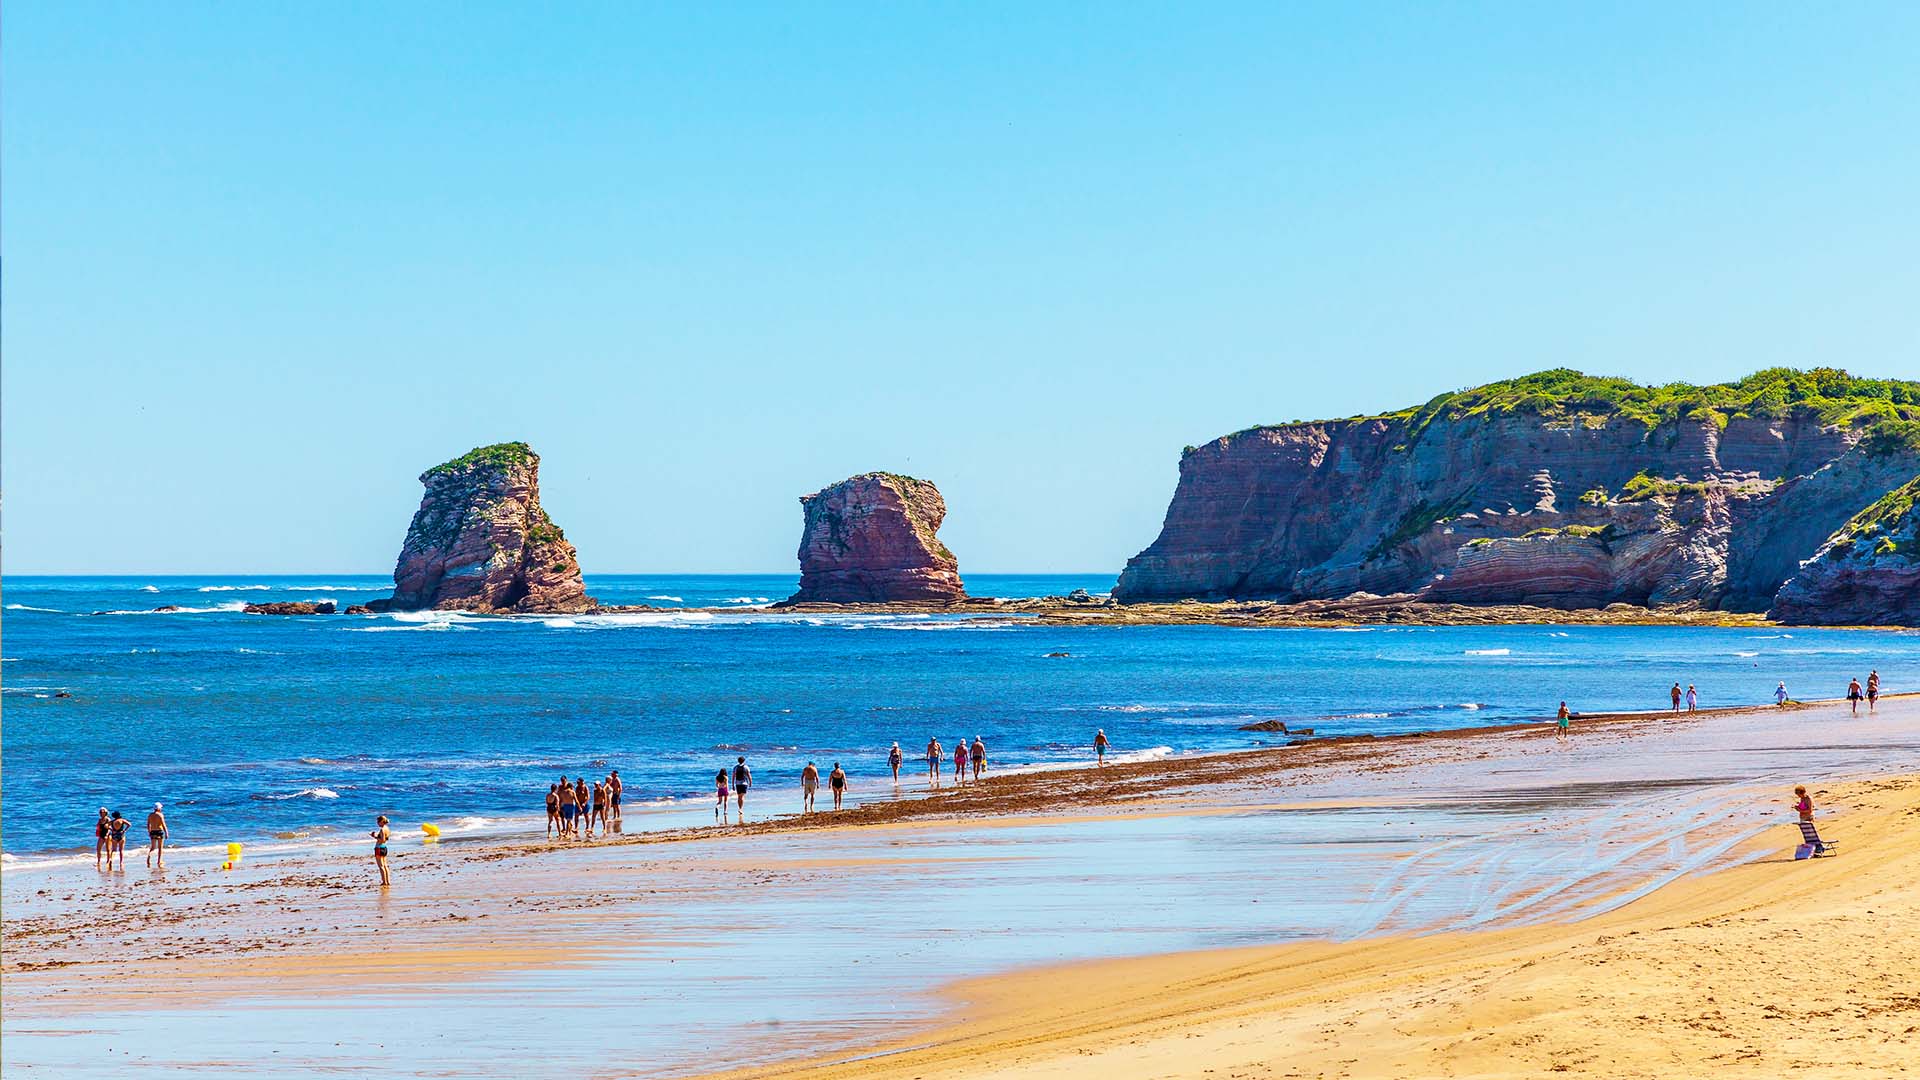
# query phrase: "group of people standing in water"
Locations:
[[110, 838], [574, 810]]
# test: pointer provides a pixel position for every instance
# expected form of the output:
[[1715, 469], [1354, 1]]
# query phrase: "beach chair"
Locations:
[[1813, 847]]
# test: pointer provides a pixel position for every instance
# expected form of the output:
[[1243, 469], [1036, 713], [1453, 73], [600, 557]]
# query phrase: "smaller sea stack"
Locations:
[[1866, 574], [481, 541], [871, 539]]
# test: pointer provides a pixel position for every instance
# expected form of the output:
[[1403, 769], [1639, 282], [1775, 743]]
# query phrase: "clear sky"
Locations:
[[267, 262]]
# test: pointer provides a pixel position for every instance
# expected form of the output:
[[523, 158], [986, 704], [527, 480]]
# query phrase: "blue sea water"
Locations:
[[297, 731]]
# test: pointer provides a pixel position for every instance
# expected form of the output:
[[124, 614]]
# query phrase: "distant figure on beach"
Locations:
[[960, 760], [979, 757], [1854, 694], [894, 758], [742, 776], [809, 785], [103, 840], [584, 816], [569, 807], [1802, 804], [1780, 695], [381, 834], [934, 753], [837, 780], [1100, 746], [117, 827], [1563, 724], [1676, 697], [1693, 698], [553, 809], [614, 788], [720, 788], [156, 839], [600, 806], [1873, 689]]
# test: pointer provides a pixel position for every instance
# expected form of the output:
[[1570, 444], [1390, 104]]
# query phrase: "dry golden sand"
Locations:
[[1768, 968]]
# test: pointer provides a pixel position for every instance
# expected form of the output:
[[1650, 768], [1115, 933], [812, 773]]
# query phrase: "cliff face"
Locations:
[[1867, 573], [481, 541], [872, 539], [1568, 503]]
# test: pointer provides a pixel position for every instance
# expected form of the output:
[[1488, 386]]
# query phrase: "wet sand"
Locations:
[[781, 940]]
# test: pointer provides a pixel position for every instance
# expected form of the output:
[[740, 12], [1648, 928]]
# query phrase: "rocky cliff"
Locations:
[[1867, 573], [1554, 489], [872, 539], [481, 541]]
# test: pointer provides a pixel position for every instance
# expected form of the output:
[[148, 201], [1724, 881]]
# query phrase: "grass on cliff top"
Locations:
[[504, 455], [1889, 408], [1890, 514]]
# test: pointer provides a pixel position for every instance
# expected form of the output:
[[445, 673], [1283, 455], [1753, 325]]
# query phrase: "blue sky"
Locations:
[[265, 263]]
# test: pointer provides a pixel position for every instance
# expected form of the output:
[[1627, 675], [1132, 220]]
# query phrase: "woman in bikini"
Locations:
[[102, 844], [960, 760], [381, 834]]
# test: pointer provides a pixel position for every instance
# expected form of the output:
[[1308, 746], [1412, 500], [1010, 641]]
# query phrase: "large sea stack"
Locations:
[[1867, 573], [481, 541], [872, 539], [1555, 489]]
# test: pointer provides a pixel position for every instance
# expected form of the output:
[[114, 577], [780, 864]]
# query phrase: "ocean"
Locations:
[[292, 733]]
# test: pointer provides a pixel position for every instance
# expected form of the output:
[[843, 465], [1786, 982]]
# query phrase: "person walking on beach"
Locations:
[[1693, 699], [837, 780], [1100, 746], [894, 758], [809, 786], [584, 816], [614, 788], [1780, 695], [960, 761], [569, 807], [553, 809], [934, 754], [1854, 694], [156, 839], [1676, 697], [1563, 724], [1873, 689], [117, 827], [103, 840], [720, 788], [742, 776], [979, 757], [381, 834]]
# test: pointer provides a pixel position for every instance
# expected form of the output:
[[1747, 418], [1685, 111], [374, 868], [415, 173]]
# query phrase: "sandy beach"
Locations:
[[1450, 897]]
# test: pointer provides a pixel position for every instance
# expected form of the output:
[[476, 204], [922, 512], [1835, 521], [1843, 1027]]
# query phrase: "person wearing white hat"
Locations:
[[156, 837]]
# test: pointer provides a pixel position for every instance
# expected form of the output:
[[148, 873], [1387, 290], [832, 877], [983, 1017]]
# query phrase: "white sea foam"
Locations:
[[29, 607], [1470, 705], [663, 596], [235, 588], [149, 588], [233, 605], [1746, 654], [336, 588], [637, 618], [1488, 652], [749, 600], [306, 793]]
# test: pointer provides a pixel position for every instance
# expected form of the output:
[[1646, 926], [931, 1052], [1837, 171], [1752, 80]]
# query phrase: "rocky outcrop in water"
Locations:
[[482, 542], [1554, 490], [873, 539], [292, 607], [1866, 574]]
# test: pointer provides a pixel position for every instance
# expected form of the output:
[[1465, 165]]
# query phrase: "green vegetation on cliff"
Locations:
[[1876, 529], [504, 455]]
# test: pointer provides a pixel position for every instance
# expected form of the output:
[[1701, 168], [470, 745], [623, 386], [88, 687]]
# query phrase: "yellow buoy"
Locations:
[[233, 851], [430, 829], [226, 866]]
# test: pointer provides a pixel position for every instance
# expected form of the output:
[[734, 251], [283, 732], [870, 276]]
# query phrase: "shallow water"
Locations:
[[294, 732]]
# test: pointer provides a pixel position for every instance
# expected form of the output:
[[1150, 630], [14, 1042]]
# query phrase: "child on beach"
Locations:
[[381, 834], [720, 788], [1563, 724]]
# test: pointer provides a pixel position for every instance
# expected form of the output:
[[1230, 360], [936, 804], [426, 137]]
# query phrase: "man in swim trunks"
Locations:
[[1563, 724], [569, 807], [1100, 745], [156, 839], [1854, 694], [837, 780], [742, 777], [979, 757], [614, 787], [1676, 697], [934, 754], [809, 784]]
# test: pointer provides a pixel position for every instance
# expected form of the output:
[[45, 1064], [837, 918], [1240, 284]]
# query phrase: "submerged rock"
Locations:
[[1866, 574], [292, 607], [482, 542], [872, 539]]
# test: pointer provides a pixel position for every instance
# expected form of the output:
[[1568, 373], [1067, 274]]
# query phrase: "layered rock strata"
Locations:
[[873, 539], [482, 542], [1562, 503], [1867, 573]]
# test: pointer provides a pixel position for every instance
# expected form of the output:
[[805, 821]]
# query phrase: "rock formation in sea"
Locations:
[[1867, 573], [482, 542], [872, 539], [1555, 489], [292, 607]]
